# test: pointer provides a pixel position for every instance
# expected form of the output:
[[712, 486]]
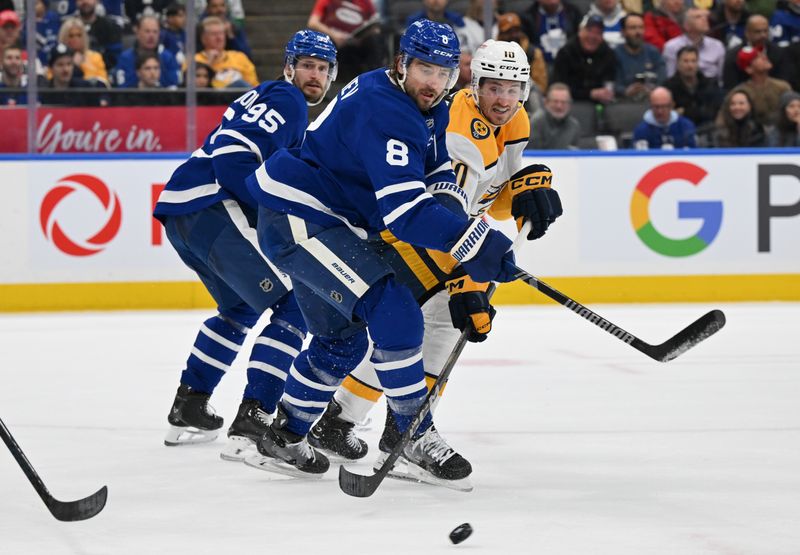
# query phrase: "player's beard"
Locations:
[[313, 94], [424, 103]]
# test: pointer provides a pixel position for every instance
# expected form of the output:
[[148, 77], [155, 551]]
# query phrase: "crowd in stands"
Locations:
[[645, 73]]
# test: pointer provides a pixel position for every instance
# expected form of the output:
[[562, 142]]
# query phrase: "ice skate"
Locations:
[[428, 459], [284, 452], [248, 427], [335, 436], [191, 420]]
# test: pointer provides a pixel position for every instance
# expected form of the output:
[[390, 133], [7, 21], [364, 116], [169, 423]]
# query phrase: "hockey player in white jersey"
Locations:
[[209, 218], [374, 162], [486, 136]]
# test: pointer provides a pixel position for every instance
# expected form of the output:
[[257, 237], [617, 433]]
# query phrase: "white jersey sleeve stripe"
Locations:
[[249, 233], [177, 197], [200, 153], [229, 149], [403, 208], [241, 138], [287, 192], [444, 167], [336, 266], [399, 188]]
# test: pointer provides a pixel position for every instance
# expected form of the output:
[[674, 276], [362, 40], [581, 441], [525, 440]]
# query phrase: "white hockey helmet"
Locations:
[[497, 59]]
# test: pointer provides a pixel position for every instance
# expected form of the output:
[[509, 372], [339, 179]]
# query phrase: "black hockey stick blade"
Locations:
[[358, 485], [66, 511], [82, 509], [694, 333], [699, 330]]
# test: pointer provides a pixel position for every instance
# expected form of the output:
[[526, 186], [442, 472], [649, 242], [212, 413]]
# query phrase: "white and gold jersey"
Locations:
[[484, 156]]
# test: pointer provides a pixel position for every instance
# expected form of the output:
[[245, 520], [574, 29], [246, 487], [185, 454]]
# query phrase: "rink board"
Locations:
[[637, 227]]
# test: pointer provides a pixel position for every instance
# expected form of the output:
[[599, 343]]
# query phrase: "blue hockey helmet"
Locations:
[[431, 42], [315, 45]]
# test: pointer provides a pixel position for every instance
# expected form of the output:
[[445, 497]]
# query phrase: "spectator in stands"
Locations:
[[473, 25], [640, 67], [612, 13], [436, 10], [464, 70], [9, 29], [696, 96], [765, 91], [736, 125], [785, 22], [787, 131], [63, 78], [728, 20], [662, 127], [173, 31], [105, 36], [148, 71], [509, 28], [712, 51], [756, 34], [235, 10], [48, 23], [148, 32], [235, 37], [663, 22], [554, 128], [587, 64], [136, 9], [231, 67], [12, 76], [549, 24], [355, 28], [203, 75], [91, 64]]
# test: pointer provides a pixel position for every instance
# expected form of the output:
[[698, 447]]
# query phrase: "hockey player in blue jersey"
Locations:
[[209, 217], [374, 163]]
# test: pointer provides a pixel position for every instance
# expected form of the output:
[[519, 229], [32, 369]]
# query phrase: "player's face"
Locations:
[[311, 76], [499, 99], [426, 82]]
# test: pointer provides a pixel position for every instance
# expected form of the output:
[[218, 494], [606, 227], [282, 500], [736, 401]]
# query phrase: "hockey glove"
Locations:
[[470, 308], [533, 200], [484, 253]]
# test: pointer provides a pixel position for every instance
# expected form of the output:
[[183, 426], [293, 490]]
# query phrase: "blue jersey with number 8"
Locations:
[[367, 162]]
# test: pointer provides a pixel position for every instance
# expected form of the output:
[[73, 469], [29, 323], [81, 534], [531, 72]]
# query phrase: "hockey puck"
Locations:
[[460, 533]]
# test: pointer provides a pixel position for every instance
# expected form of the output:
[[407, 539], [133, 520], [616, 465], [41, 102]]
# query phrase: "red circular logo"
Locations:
[[54, 232]]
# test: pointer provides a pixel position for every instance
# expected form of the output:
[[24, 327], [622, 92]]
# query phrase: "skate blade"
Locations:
[[187, 435], [402, 470], [237, 449], [269, 464]]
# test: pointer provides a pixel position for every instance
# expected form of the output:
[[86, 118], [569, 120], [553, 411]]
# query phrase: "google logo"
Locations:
[[709, 211]]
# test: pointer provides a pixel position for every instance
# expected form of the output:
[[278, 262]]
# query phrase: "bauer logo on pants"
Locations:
[[105, 209]]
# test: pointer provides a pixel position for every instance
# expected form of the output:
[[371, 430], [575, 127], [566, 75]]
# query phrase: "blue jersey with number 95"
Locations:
[[261, 121], [367, 162]]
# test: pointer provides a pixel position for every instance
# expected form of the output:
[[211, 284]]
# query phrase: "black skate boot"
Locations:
[[190, 419], [336, 436], [287, 453], [248, 427], [427, 458]]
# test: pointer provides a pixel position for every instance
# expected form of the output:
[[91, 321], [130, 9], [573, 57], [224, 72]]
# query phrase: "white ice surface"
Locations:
[[580, 444]]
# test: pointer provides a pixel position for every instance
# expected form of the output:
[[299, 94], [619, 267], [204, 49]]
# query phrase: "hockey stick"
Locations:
[[699, 330], [62, 510]]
